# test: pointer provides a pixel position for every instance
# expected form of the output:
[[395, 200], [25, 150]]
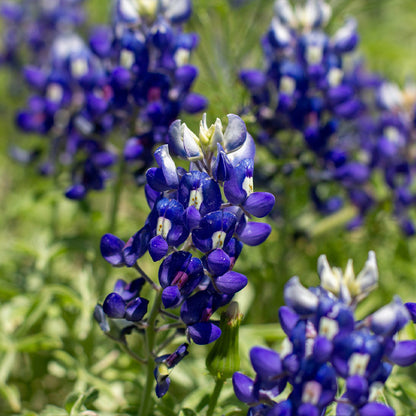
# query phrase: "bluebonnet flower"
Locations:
[[164, 363], [325, 343], [198, 235], [321, 111], [133, 75], [30, 28]]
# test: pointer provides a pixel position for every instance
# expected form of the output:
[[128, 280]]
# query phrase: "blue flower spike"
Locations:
[[326, 346], [197, 227]]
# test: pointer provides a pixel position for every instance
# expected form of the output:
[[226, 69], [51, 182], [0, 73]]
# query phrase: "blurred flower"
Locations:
[[325, 343]]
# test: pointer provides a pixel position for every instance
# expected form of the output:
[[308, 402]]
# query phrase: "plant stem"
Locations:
[[150, 336], [215, 395], [118, 186]]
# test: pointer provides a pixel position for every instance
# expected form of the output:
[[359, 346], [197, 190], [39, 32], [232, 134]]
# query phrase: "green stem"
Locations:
[[150, 336], [118, 186], [215, 395]]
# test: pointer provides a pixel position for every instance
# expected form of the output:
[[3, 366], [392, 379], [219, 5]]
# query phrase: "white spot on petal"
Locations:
[[248, 185], [328, 327], [196, 198], [163, 227], [357, 364], [218, 239]]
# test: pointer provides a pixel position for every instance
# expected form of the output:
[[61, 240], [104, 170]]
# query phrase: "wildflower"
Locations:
[[325, 343]]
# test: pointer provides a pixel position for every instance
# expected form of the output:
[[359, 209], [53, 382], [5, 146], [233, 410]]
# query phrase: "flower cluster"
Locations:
[[326, 344], [30, 27], [133, 75], [313, 88], [196, 233]]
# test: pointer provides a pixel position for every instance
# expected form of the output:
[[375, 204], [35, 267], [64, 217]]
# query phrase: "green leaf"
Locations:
[[11, 395]]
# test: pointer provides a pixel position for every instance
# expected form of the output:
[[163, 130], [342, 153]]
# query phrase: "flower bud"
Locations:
[[224, 359]]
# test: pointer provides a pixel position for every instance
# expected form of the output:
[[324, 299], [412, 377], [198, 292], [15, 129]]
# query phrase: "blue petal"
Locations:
[[376, 409], [288, 319], [136, 246], [243, 388], [194, 103], [158, 248], [230, 282], [114, 306], [222, 169], [259, 204], [218, 262], [111, 249], [136, 309], [266, 363], [76, 192], [204, 333], [255, 233], [404, 353], [171, 297]]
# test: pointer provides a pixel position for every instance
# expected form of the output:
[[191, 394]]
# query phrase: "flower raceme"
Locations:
[[195, 233], [325, 344], [318, 109], [133, 75]]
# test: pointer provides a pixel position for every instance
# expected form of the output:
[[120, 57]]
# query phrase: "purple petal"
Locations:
[[255, 233], [411, 307], [404, 353], [376, 409], [253, 79], [151, 195], [194, 103], [192, 217], [162, 387], [185, 76], [218, 262], [204, 333], [114, 306], [230, 282], [133, 149], [136, 246], [357, 389], [322, 349], [111, 249], [259, 204], [222, 168], [266, 362], [158, 248], [308, 409], [243, 388], [288, 319], [171, 297], [345, 409], [35, 77], [76, 192], [136, 309]]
